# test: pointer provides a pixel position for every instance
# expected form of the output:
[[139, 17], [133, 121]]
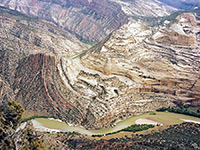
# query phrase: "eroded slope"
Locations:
[[139, 69], [28, 54]]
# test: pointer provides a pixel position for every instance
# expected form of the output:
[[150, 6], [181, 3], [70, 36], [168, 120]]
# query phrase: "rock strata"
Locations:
[[129, 73], [90, 21]]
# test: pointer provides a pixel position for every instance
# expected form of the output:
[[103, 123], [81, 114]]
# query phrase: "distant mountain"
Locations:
[[93, 20], [182, 4], [147, 8]]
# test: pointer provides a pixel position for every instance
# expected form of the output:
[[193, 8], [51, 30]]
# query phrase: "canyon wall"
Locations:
[[128, 73]]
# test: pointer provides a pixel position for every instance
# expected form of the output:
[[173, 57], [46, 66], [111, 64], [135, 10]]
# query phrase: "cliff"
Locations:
[[132, 73], [181, 4]]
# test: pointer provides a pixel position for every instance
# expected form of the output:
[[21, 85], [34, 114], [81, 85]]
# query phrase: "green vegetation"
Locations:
[[31, 141], [152, 113], [133, 128], [165, 118], [169, 118], [156, 21], [182, 110], [10, 116], [34, 117], [171, 17], [87, 45], [176, 137]]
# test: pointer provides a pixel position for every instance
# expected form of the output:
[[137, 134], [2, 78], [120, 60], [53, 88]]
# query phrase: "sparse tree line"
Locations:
[[176, 137], [133, 128], [182, 110]]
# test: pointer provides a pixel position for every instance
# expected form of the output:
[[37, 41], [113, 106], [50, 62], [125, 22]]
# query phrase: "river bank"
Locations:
[[161, 118]]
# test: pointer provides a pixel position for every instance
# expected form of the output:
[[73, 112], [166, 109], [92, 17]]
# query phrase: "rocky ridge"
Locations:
[[6, 93], [22, 36], [149, 8]]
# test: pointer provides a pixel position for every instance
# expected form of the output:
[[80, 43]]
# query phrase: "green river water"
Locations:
[[165, 118]]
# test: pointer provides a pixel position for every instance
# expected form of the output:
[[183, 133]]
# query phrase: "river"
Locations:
[[166, 118]]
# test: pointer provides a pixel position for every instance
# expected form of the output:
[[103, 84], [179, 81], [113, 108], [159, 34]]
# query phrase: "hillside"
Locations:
[[184, 136], [29, 48], [90, 20], [94, 63]]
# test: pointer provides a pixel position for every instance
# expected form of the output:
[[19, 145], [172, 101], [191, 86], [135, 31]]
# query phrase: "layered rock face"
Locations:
[[38, 86], [6, 93], [147, 8], [90, 21], [131, 72], [181, 33], [21, 36], [28, 54]]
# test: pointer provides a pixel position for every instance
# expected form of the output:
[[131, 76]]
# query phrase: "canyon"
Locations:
[[135, 69]]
